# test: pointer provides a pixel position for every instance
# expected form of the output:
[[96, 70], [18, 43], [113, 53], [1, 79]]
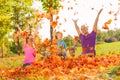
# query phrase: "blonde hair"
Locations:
[[58, 33], [84, 25]]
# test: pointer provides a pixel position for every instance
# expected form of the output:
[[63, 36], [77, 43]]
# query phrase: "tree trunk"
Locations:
[[51, 32], [18, 46], [51, 29]]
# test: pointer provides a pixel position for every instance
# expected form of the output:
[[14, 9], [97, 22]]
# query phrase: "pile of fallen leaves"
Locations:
[[55, 68]]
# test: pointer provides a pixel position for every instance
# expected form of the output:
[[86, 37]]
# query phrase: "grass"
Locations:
[[104, 49], [15, 61], [11, 61]]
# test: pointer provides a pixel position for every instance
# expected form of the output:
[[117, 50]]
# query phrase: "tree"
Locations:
[[5, 26], [12, 11], [69, 40], [20, 10], [51, 7]]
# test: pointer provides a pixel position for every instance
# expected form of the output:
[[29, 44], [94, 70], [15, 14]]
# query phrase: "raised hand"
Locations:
[[76, 26], [75, 20], [96, 21]]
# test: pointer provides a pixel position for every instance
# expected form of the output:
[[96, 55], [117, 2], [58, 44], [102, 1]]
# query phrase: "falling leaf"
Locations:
[[92, 8], [41, 15], [105, 27], [48, 16], [76, 38], [65, 19], [55, 12], [71, 8], [51, 10], [54, 24], [109, 21], [110, 12], [68, 8], [64, 30], [115, 18], [57, 17], [60, 23], [110, 4]]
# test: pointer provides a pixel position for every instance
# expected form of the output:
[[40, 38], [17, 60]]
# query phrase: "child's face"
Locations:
[[30, 41], [59, 36], [72, 52]]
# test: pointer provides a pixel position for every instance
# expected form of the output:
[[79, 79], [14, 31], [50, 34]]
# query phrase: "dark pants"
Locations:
[[27, 64], [62, 55]]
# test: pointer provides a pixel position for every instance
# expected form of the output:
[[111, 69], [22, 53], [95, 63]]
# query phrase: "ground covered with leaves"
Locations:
[[55, 68]]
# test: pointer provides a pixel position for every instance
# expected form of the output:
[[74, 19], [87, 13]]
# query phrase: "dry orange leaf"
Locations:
[[64, 30], [55, 12], [54, 24], [48, 16], [109, 21], [105, 27], [110, 12], [57, 17], [76, 38], [37, 15], [24, 33], [40, 15], [52, 11]]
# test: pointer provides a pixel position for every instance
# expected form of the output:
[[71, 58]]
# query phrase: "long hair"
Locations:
[[29, 37]]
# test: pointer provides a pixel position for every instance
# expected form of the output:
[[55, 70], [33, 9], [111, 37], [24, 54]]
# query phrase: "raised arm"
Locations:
[[96, 21], [16, 25], [23, 37], [77, 27]]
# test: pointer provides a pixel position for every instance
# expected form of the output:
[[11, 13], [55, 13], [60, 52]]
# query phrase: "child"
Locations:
[[46, 53], [72, 52], [88, 40], [62, 52], [28, 48], [29, 51]]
